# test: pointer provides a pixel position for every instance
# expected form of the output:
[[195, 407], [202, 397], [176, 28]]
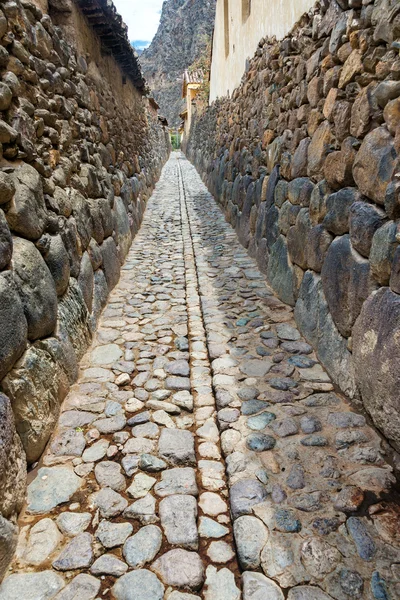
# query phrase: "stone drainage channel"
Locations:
[[199, 403]]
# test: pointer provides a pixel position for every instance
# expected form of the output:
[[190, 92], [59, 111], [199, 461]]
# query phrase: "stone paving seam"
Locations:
[[212, 469]]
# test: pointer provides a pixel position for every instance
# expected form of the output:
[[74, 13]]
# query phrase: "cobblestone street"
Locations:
[[204, 452]]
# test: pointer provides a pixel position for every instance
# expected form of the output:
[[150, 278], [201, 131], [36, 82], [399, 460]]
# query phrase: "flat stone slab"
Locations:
[[96, 452], [73, 523], [112, 535], [43, 540], [178, 518], [212, 504], [251, 535], [53, 486], [208, 528], [181, 569], [108, 474], [177, 481], [31, 586], [68, 443], [108, 564], [142, 547], [245, 494], [78, 554], [141, 485], [256, 368], [106, 355], [177, 447], [256, 587], [220, 552], [307, 592], [138, 585], [109, 502], [143, 510], [220, 585], [82, 587]]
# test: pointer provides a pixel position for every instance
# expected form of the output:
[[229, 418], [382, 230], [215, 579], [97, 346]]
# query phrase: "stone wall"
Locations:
[[304, 161], [80, 151]]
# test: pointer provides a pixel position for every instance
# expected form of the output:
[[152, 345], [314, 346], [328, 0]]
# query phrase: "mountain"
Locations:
[[184, 32]]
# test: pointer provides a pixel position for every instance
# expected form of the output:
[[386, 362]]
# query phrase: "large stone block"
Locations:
[[280, 271], [395, 274], [62, 353], [316, 324], [86, 280], [243, 222], [81, 213], [318, 200], [365, 219], [338, 210], [70, 238], [347, 283], [36, 387], [300, 190], [318, 149], [36, 289], [376, 352], [61, 202], [287, 217], [383, 248], [122, 228], [5, 242], [89, 178], [97, 224], [12, 463], [271, 226], [74, 319], [338, 168], [100, 294], [375, 164], [300, 159], [361, 113], [57, 261], [8, 544], [111, 262], [319, 240], [27, 213], [297, 239], [262, 255], [95, 254], [13, 325]]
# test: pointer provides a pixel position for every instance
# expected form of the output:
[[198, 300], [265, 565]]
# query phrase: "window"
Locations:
[[226, 26], [246, 9]]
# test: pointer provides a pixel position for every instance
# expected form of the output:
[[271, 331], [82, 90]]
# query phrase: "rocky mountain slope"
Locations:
[[184, 31]]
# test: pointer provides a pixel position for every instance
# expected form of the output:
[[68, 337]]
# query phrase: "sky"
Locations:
[[142, 18]]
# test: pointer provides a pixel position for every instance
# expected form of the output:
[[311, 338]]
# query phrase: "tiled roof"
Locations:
[[196, 76], [113, 34]]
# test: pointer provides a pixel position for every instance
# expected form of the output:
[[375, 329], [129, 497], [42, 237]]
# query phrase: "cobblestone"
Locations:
[[200, 426]]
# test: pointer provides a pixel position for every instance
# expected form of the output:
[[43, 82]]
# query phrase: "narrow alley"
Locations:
[[203, 452]]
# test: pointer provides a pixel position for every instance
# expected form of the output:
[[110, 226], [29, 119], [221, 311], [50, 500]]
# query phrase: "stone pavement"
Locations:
[[203, 452]]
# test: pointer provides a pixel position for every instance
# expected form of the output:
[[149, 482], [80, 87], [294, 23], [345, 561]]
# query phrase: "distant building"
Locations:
[[192, 81], [239, 26]]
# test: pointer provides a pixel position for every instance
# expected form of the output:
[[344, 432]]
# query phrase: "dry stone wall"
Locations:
[[80, 151], [304, 161]]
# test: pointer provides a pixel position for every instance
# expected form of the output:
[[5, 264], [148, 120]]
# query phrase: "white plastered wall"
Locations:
[[267, 18]]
